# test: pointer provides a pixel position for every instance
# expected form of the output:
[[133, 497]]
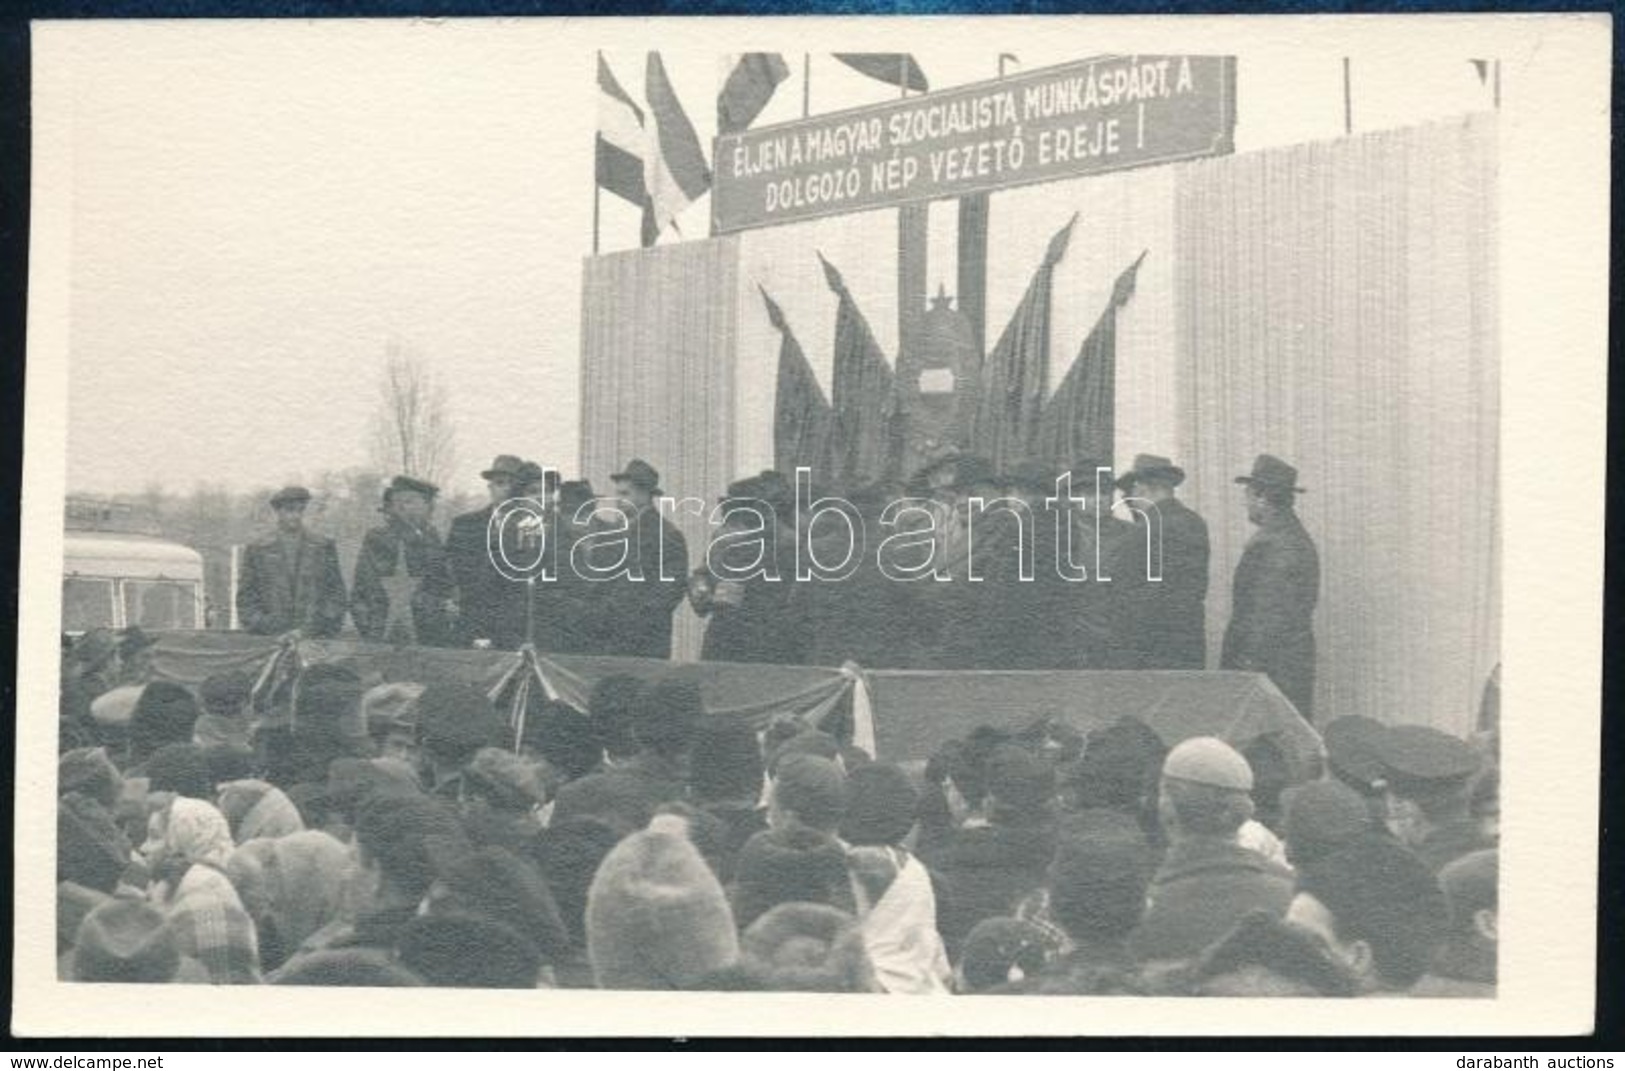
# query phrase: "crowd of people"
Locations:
[[364, 832], [1062, 579]]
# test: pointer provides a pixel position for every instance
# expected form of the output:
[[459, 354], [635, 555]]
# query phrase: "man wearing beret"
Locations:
[[483, 598], [641, 604], [1208, 882], [290, 583], [1276, 586], [1429, 777], [403, 591], [1167, 623]]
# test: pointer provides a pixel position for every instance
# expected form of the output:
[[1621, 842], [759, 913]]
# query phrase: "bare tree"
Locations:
[[412, 431]]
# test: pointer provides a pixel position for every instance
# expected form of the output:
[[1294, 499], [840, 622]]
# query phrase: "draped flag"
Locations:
[[862, 391], [802, 419], [893, 68], [1016, 374], [748, 88], [1079, 419], [622, 141], [674, 167]]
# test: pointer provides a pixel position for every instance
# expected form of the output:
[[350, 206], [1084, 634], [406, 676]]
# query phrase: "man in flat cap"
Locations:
[[1208, 882], [483, 600], [1167, 625], [1429, 776], [290, 583], [1276, 586], [641, 603], [403, 591]]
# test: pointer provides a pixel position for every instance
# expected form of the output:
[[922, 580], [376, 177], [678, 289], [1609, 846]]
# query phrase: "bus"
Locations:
[[116, 579]]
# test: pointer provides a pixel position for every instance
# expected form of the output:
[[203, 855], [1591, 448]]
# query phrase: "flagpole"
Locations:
[[1497, 85], [902, 73], [1348, 104], [597, 189], [806, 84]]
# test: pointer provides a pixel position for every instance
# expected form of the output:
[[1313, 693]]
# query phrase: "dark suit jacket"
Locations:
[[486, 606], [425, 562], [1272, 609], [639, 619], [1167, 626], [278, 591]]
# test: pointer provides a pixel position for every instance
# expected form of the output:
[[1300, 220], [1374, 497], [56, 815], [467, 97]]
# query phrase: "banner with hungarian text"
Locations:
[[1102, 114]]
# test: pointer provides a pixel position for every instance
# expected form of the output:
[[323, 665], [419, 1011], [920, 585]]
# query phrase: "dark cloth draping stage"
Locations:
[[898, 715]]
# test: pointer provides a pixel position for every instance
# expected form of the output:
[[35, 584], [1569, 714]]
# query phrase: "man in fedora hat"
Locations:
[[290, 583], [483, 600], [641, 602], [1167, 626], [1277, 582], [403, 590]]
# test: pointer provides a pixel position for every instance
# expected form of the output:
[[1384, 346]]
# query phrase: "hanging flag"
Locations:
[[803, 423], [1079, 419], [674, 167], [1015, 375], [893, 68], [748, 88], [1483, 69], [862, 392], [621, 144]]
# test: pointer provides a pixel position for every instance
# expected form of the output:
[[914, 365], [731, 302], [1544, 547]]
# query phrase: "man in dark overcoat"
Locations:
[[1276, 586], [403, 590], [638, 622], [1166, 623], [484, 600], [291, 583]]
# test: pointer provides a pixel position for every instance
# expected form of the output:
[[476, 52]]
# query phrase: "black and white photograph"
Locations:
[[834, 510]]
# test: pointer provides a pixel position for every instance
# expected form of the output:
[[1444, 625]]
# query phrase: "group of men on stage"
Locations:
[[1026, 588]]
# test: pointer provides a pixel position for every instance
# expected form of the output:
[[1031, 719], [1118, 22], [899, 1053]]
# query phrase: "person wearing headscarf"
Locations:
[[291, 886], [188, 850]]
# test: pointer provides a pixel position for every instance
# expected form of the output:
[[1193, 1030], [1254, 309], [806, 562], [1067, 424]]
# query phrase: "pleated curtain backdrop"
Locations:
[[1337, 307], [658, 351]]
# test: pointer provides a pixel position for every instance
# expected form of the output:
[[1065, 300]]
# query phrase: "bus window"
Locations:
[[86, 604], [159, 604]]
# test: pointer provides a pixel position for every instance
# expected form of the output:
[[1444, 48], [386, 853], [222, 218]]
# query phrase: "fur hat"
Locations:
[[91, 850], [811, 948], [226, 695], [89, 772], [811, 788], [656, 916], [1098, 882], [181, 769], [780, 866], [497, 884], [125, 941], [1321, 817], [1381, 893], [1020, 783], [880, 805], [456, 720]]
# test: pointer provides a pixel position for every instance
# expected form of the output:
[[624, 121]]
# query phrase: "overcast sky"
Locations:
[[258, 208]]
